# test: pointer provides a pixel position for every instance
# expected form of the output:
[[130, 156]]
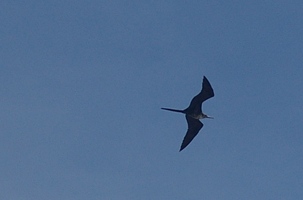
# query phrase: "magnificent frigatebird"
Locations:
[[194, 112]]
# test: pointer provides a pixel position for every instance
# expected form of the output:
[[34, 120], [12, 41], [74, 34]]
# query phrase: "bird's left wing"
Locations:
[[194, 126]]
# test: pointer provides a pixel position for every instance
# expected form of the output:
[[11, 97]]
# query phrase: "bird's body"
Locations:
[[199, 116], [194, 112]]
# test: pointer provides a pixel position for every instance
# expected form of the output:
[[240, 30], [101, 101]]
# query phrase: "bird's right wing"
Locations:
[[194, 126], [206, 93]]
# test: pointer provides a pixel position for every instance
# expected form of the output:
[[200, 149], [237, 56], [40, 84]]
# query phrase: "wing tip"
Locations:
[[181, 148], [183, 145]]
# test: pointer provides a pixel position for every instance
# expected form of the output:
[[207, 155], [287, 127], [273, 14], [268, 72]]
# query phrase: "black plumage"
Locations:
[[194, 112]]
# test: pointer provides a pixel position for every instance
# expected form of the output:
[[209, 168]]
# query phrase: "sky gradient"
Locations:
[[82, 84]]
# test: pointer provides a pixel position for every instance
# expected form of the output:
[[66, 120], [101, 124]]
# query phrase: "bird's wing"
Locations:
[[206, 93], [194, 126]]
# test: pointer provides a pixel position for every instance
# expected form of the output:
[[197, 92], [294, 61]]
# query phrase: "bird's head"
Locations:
[[206, 116]]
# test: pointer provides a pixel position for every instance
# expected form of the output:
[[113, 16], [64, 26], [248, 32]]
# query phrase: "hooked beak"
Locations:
[[209, 117]]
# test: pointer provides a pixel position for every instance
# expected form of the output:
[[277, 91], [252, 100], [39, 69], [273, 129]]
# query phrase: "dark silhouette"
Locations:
[[194, 112]]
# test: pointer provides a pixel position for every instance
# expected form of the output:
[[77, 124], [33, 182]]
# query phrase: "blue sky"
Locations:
[[82, 84]]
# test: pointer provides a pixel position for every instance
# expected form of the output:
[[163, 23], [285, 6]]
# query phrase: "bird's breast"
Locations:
[[197, 116]]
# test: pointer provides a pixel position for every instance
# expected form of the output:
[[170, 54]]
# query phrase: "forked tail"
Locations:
[[174, 110]]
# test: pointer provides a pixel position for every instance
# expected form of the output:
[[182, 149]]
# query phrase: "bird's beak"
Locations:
[[209, 117]]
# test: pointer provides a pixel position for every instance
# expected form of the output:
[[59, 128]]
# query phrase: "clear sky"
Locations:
[[82, 84]]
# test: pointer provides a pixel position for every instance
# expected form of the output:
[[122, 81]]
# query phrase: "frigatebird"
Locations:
[[194, 112]]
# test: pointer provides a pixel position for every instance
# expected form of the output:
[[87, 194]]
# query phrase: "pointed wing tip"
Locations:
[[181, 149], [206, 84], [205, 79], [183, 145]]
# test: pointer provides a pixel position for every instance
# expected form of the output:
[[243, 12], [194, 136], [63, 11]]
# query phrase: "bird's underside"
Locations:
[[194, 112]]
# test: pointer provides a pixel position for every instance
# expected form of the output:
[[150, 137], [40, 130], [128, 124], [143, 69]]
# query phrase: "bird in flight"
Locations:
[[194, 112]]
